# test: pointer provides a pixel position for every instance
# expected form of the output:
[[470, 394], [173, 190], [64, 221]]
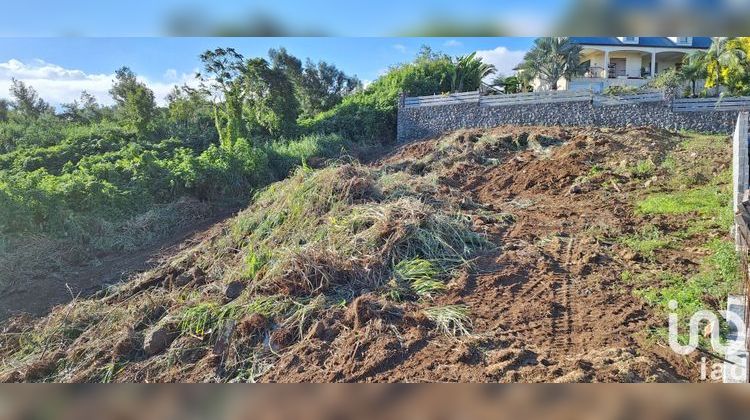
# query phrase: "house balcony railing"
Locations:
[[595, 72]]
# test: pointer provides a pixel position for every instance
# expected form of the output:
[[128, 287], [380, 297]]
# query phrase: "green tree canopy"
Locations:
[[135, 103], [84, 110], [725, 57], [222, 81], [550, 59], [468, 72], [270, 100], [26, 101]]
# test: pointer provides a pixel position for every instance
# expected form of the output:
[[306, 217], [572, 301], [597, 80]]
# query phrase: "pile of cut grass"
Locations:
[[305, 249]]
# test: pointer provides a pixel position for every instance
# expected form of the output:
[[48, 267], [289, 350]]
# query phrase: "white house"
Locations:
[[628, 60]]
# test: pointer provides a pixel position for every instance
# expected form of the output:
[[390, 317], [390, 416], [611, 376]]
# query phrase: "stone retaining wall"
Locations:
[[428, 121]]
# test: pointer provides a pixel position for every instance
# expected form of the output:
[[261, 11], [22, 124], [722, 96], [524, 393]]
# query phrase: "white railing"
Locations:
[[608, 100], [737, 103], [741, 103], [552, 96], [448, 99]]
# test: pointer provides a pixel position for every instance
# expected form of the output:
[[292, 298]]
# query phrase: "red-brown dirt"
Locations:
[[547, 304]]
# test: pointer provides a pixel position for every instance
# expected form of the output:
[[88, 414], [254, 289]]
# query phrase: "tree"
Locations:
[[136, 105], [289, 64], [692, 70], [190, 116], [222, 80], [26, 100], [551, 59], [318, 86], [468, 72], [723, 57], [4, 109], [510, 84], [323, 86], [83, 111], [269, 97]]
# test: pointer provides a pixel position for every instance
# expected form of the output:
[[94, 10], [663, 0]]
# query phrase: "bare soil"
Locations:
[[548, 304]]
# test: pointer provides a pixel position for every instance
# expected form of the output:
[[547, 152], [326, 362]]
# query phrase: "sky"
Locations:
[[60, 68]]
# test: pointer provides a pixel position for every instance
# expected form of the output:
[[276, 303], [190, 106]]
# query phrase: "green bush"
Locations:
[[370, 115]]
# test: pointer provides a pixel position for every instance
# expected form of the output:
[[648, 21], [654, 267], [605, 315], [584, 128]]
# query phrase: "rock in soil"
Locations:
[[126, 344], [233, 290], [159, 338], [253, 325], [42, 368]]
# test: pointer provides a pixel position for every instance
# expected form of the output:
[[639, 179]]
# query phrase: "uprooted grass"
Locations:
[[451, 320], [307, 247]]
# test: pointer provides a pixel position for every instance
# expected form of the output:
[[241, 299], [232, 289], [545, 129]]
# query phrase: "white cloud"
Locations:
[[170, 74], [400, 48], [503, 59], [58, 85], [453, 43]]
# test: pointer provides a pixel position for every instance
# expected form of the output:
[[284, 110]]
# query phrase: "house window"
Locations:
[[629, 39]]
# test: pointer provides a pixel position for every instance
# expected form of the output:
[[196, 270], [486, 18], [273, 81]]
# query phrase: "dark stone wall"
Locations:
[[428, 121]]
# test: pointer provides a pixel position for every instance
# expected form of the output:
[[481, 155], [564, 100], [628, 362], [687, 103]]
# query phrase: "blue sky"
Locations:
[[60, 67]]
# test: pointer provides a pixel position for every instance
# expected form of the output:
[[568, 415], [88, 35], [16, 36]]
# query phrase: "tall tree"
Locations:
[[289, 64], [550, 59], [223, 80], [319, 86], [724, 55], [136, 105], [26, 100], [324, 86], [190, 115], [270, 101]]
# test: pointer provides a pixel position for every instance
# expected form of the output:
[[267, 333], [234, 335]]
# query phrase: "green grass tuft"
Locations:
[[420, 275], [647, 241], [643, 168]]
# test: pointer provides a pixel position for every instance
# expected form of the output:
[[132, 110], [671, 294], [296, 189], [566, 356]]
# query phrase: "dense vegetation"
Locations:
[[78, 171]]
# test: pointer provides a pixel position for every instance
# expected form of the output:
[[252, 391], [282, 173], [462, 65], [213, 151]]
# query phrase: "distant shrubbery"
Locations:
[[71, 173], [110, 178]]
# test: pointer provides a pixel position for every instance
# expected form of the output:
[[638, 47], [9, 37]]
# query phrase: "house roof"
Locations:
[[643, 41]]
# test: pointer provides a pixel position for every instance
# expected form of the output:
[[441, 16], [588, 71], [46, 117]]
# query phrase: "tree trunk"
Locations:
[[718, 78]]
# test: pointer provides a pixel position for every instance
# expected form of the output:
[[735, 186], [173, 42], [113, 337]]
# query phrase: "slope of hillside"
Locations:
[[507, 254]]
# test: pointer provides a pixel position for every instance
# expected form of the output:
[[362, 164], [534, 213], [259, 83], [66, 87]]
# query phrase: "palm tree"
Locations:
[[468, 72], [692, 70], [722, 54], [552, 58]]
